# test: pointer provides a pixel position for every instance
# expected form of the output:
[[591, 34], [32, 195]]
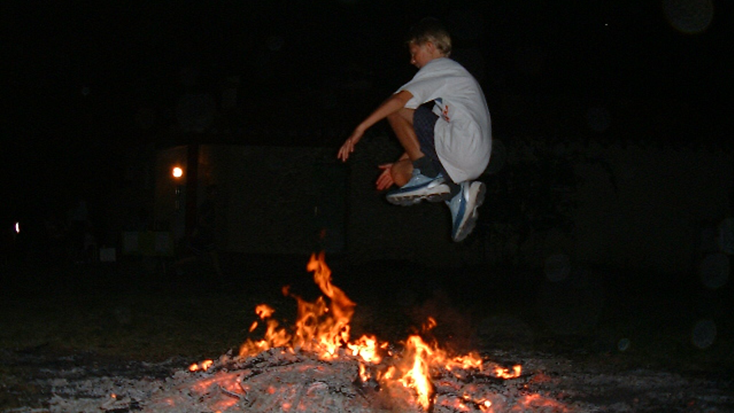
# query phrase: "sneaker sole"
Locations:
[[407, 200], [411, 198], [469, 223]]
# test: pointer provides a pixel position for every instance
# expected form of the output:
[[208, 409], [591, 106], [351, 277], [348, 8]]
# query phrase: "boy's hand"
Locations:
[[348, 146], [385, 181]]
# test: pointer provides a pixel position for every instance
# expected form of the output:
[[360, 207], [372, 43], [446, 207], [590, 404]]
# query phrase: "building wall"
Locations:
[[636, 207], [278, 200]]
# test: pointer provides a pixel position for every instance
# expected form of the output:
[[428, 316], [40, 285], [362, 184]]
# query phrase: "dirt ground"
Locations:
[[601, 340]]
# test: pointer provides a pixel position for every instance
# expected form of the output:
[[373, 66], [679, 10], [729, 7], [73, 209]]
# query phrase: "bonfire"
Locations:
[[315, 366]]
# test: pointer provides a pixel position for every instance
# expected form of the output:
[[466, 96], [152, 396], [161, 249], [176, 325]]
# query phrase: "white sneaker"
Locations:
[[420, 187], [464, 207]]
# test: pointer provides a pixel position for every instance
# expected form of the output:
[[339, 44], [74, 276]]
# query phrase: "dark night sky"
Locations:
[[80, 76]]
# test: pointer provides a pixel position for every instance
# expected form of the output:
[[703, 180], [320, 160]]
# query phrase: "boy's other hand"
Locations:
[[348, 146], [385, 181]]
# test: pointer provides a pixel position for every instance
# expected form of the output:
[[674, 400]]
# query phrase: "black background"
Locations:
[[85, 80]]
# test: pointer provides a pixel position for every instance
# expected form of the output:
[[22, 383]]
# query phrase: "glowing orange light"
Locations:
[[203, 366], [264, 311], [177, 172], [253, 326], [504, 373]]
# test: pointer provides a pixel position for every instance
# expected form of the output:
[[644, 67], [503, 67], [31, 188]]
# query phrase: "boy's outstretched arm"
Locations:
[[393, 104]]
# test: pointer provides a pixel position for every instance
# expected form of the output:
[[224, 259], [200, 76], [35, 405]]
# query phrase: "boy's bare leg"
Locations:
[[402, 124], [402, 171]]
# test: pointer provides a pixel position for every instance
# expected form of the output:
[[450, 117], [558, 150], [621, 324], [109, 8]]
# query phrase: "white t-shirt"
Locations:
[[463, 131]]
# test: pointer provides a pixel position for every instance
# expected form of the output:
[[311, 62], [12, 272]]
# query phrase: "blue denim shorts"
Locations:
[[424, 122]]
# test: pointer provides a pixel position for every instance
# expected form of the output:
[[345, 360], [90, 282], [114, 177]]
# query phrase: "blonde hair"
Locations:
[[431, 30]]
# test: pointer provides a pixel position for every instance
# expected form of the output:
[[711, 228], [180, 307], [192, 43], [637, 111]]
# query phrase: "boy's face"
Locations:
[[422, 54]]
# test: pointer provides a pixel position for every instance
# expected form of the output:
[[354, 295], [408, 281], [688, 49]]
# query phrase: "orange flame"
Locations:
[[320, 327], [418, 375], [367, 348], [264, 311]]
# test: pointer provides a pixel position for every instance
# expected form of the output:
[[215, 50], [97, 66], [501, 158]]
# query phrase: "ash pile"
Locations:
[[283, 380]]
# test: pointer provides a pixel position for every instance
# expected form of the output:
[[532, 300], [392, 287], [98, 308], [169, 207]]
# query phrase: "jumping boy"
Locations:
[[441, 120]]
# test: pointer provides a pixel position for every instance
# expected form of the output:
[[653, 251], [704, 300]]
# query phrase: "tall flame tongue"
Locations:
[[321, 327], [325, 326], [418, 375]]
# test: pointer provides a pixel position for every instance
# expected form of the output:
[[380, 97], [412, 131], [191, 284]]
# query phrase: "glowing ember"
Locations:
[[504, 373], [202, 366]]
